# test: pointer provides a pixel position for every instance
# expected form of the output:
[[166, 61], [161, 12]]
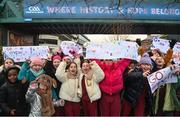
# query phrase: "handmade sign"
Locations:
[[161, 77], [23, 53], [176, 53], [120, 49], [161, 44], [70, 48]]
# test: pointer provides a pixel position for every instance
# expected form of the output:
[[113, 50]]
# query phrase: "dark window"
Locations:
[[48, 41]]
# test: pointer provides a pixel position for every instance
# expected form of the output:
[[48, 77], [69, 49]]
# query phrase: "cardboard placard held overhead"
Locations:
[[23, 53], [120, 49]]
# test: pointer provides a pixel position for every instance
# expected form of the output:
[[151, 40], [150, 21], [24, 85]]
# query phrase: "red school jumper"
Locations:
[[89, 108], [72, 108], [111, 87]]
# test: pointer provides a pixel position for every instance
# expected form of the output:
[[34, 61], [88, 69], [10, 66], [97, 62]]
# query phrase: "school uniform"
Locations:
[[111, 87], [69, 90], [89, 90]]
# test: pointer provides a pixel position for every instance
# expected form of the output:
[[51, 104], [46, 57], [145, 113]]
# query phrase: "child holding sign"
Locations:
[[111, 86]]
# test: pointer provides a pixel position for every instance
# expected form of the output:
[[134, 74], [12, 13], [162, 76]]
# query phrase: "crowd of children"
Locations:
[[64, 86]]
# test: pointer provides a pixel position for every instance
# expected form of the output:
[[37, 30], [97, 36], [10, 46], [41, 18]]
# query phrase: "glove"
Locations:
[[59, 102], [172, 43], [138, 41]]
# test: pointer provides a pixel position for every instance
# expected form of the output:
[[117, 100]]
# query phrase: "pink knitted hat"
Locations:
[[36, 61], [56, 57]]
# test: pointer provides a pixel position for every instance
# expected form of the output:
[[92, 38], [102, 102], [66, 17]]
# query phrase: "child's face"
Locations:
[[85, 67], [159, 61], [109, 62], [36, 68], [146, 67], [8, 63], [12, 75], [56, 63], [73, 69], [131, 66]]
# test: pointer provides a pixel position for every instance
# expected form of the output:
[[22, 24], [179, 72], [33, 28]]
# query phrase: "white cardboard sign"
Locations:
[[176, 53], [161, 44], [161, 77], [23, 53], [120, 49], [70, 47]]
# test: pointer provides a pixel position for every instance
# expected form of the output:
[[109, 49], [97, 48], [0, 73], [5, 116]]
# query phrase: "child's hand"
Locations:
[[62, 102], [59, 102], [13, 112], [176, 71], [28, 60], [92, 63], [65, 59], [33, 85], [145, 74]]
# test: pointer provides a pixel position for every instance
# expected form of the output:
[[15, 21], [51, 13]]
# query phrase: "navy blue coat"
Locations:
[[12, 96]]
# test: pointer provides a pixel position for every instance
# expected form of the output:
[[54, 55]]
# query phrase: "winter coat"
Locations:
[[69, 87], [2, 77], [92, 86], [41, 102], [25, 72], [35, 101], [175, 92], [135, 84], [12, 96], [113, 81], [172, 97]]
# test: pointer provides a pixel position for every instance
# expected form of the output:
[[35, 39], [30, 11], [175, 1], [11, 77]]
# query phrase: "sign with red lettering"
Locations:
[[161, 77], [71, 48]]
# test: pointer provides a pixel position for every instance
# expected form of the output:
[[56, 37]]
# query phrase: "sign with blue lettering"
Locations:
[[102, 9]]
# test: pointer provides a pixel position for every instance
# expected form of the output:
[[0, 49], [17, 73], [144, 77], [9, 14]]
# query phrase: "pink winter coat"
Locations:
[[113, 81]]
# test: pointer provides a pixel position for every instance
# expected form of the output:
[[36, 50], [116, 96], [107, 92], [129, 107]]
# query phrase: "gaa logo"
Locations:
[[34, 9]]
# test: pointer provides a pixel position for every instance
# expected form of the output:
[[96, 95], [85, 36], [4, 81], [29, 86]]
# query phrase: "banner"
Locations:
[[161, 44], [176, 53], [70, 48], [102, 9], [22, 53], [120, 49], [161, 77]]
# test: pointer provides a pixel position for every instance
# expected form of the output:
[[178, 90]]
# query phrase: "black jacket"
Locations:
[[12, 96], [2, 77], [135, 84]]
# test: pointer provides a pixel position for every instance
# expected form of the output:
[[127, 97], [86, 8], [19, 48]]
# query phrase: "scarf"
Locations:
[[36, 74]]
